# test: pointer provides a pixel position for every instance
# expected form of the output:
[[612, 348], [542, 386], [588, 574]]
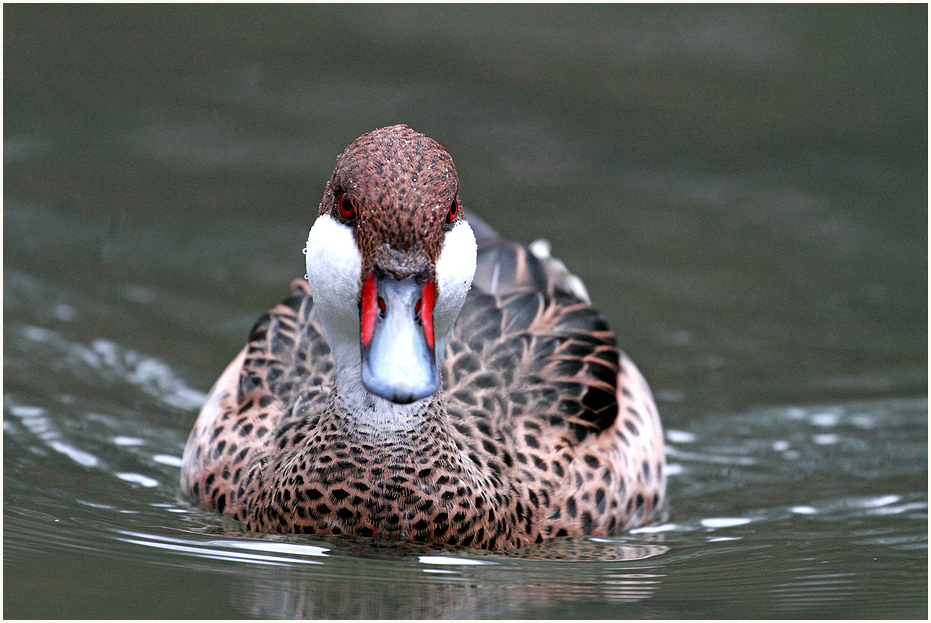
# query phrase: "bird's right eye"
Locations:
[[345, 208]]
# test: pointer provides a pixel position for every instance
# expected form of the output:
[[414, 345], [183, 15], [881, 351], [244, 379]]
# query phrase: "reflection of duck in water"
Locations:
[[397, 403], [580, 577]]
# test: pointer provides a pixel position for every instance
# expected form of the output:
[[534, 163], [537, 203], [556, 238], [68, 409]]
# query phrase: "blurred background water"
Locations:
[[742, 188]]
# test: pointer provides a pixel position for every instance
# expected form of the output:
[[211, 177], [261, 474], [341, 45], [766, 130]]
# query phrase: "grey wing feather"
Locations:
[[505, 267]]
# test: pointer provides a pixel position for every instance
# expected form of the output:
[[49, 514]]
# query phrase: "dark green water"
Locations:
[[743, 190]]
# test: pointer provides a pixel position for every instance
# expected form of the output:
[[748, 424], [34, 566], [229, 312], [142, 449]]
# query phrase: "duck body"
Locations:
[[388, 398]]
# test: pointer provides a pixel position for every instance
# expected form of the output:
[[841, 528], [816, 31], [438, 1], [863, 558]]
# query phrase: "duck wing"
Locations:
[[287, 355], [504, 267], [529, 321], [540, 396], [531, 354]]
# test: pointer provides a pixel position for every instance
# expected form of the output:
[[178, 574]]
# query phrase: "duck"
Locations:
[[427, 381]]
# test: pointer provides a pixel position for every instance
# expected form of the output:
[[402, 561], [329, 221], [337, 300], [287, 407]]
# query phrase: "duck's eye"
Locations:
[[345, 207], [453, 211]]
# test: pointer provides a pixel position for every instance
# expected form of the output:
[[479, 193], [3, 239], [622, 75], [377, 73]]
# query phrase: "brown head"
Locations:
[[390, 260], [399, 189]]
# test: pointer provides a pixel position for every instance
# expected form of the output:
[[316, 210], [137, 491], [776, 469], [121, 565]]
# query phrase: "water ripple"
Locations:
[[252, 553], [115, 362]]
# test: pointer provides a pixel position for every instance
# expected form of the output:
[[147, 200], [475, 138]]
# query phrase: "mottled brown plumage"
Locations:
[[542, 428]]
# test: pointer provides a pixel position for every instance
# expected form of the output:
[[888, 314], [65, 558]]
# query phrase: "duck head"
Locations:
[[390, 260]]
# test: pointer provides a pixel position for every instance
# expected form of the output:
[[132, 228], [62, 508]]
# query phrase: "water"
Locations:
[[743, 189]]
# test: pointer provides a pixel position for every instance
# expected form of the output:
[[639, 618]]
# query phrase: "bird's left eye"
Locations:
[[453, 211]]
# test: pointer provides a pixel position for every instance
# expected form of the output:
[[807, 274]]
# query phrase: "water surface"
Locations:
[[743, 190]]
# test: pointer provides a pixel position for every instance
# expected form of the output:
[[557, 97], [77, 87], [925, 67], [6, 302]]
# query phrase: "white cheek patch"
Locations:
[[333, 272], [334, 268], [454, 271]]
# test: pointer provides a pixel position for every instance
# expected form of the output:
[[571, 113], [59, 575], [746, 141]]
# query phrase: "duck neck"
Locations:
[[360, 412]]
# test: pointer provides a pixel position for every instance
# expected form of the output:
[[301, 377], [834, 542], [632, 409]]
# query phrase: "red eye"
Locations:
[[453, 211], [345, 207]]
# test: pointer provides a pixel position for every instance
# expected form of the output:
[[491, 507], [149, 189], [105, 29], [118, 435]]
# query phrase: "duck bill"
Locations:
[[398, 358]]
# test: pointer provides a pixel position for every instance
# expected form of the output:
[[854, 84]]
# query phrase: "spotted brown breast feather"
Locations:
[[387, 399]]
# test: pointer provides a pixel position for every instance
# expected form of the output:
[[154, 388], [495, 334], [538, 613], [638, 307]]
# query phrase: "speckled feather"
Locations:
[[543, 427]]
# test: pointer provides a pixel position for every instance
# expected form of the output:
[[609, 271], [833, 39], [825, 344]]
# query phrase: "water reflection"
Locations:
[[289, 578], [460, 585]]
